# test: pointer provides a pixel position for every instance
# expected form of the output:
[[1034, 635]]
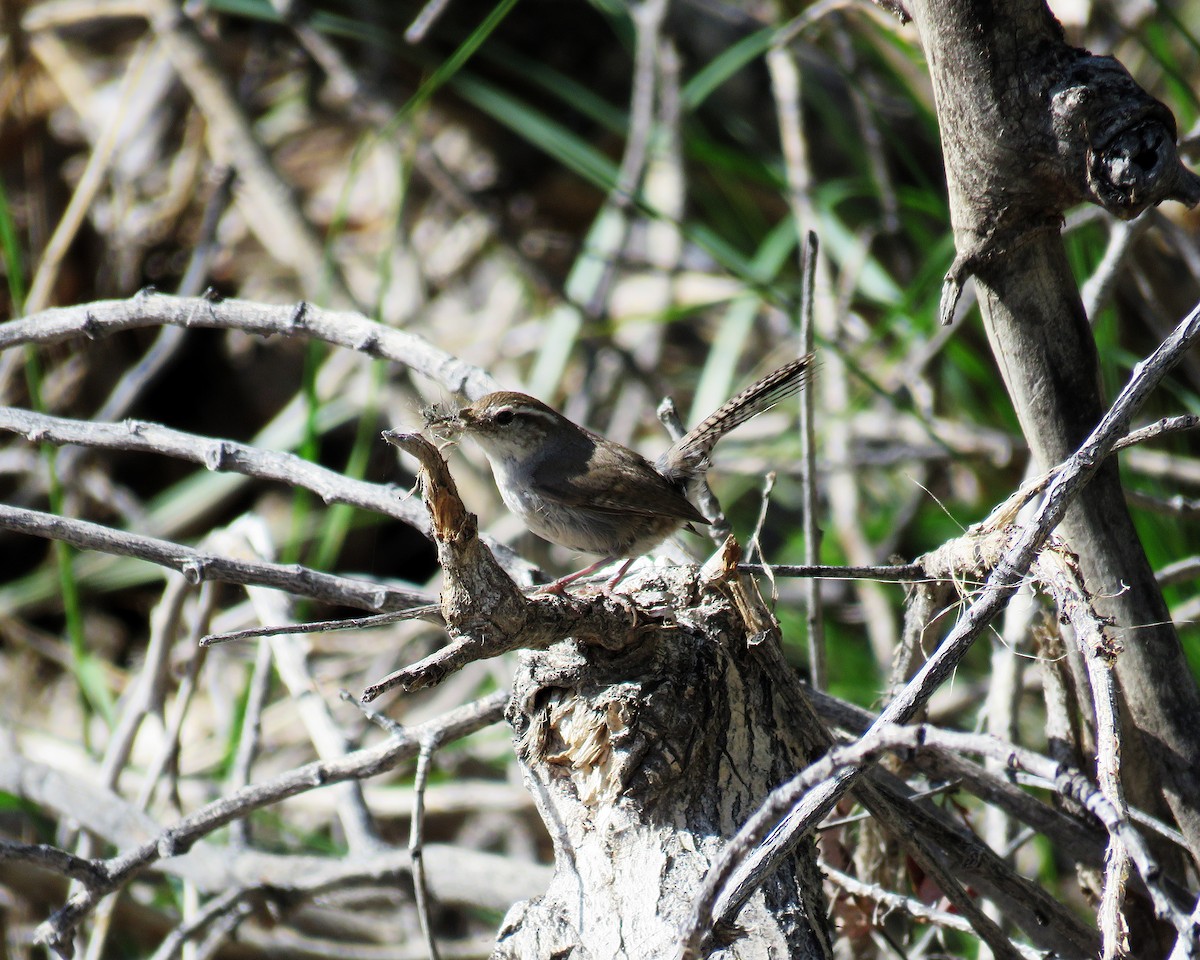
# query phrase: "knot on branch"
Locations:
[[1053, 128], [1116, 143]]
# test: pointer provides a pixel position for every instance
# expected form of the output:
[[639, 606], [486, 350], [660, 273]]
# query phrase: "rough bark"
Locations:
[[644, 761], [1030, 126]]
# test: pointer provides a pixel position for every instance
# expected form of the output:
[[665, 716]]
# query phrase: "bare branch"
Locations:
[[340, 328], [199, 565], [56, 933], [217, 454]]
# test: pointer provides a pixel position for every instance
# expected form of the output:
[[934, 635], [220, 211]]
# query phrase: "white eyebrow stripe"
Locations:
[[526, 412]]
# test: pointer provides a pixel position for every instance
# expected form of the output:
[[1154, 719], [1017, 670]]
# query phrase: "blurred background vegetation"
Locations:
[[491, 188]]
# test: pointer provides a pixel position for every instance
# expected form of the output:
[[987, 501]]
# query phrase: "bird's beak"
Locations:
[[446, 424]]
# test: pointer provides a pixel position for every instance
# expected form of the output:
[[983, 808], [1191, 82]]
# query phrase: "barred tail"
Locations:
[[692, 451]]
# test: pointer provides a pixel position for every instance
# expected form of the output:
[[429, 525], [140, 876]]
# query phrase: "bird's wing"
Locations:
[[615, 480]]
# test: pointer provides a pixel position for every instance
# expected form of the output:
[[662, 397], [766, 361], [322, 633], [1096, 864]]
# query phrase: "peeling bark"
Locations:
[[644, 761]]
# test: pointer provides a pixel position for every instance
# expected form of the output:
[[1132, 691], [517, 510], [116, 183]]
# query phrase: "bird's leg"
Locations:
[[560, 585], [620, 574]]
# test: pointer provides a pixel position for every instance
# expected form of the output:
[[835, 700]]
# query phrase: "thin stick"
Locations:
[[1160, 428], [843, 483], [416, 841], [341, 328], [430, 611], [754, 547], [813, 612], [199, 565], [248, 741], [900, 573], [425, 19], [216, 454]]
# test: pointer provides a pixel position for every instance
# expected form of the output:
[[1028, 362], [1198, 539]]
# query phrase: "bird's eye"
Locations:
[[504, 417]]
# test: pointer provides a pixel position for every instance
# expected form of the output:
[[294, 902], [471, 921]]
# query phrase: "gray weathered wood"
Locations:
[[643, 760], [1030, 126]]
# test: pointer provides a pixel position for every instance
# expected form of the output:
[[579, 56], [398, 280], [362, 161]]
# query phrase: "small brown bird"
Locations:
[[575, 488]]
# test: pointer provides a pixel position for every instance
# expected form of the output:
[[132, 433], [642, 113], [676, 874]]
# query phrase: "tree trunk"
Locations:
[[1030, 126], [643, 761]]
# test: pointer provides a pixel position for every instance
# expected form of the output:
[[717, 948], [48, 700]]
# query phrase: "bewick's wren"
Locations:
[[575, 488]]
